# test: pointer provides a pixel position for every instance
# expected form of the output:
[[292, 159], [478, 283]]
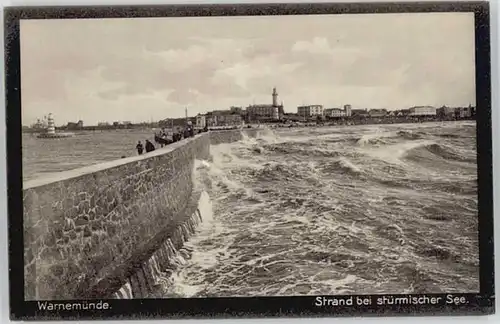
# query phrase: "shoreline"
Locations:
[[369, 121], [353, 121]]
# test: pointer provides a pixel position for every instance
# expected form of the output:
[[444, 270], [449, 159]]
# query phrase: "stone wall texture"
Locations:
[[148, 280], [89, 233]]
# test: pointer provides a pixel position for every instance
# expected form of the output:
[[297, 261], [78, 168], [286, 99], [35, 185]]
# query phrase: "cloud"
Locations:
[[181, 59], [196, 67], [319, 45], [114, 68]]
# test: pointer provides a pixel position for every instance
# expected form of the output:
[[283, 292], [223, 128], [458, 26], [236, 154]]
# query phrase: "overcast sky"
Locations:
[[142, 69]]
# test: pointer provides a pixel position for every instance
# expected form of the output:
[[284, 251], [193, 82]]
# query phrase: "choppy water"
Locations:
[[364, 210], [46, 156], [338, 210]]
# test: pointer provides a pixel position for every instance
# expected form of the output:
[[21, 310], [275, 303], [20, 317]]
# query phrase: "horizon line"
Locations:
[[286, 112]]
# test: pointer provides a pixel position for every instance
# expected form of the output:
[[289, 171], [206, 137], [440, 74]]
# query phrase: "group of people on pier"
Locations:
[[162, 138], [149, 147]]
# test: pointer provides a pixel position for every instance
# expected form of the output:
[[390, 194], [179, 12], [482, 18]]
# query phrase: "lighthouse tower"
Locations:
[[275, 108], [275, 97]]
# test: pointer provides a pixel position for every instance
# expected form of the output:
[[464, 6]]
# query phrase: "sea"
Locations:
[[43, 157], [369, 209]]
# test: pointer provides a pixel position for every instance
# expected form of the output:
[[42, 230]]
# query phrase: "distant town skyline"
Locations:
[[105, 70]]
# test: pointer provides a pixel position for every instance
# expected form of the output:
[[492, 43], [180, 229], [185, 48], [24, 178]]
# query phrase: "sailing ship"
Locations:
[[50, 130], [40, 125]]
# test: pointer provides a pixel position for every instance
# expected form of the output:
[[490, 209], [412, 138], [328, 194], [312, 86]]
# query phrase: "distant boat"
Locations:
[[50, 131]]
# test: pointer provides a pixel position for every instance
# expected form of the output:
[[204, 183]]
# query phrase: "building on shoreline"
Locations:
[[75, 126], [274, 113], [237, 110], [456, 112], [338, 113], [222, 118], [266, 112], [348, 110], [464, 112], [173, 123], [310, 111], [422, 111], [237, 116], [334, 113], [234, 116], [291, 117], [201, 121], [377, 113], [359, 113], [445, 112]]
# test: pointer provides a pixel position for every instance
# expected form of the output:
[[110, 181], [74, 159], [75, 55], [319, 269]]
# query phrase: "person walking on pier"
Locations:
[[149, 146], [139, 148]]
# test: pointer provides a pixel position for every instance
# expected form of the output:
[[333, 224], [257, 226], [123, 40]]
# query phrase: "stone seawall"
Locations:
[[151, 277], [89, 232]]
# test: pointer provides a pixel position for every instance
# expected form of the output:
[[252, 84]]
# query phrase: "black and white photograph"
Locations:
[[250, 156]]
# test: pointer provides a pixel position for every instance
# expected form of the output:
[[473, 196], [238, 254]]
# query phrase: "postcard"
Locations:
[[249, 160]]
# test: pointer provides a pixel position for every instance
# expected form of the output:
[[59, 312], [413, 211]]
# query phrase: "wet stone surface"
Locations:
[[78, 230]]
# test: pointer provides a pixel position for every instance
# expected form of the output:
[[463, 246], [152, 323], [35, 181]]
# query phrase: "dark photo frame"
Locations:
[[92, 298]]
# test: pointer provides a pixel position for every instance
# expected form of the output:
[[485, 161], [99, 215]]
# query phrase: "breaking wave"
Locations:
[[386, 137], [436, 153], [365, 210]]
